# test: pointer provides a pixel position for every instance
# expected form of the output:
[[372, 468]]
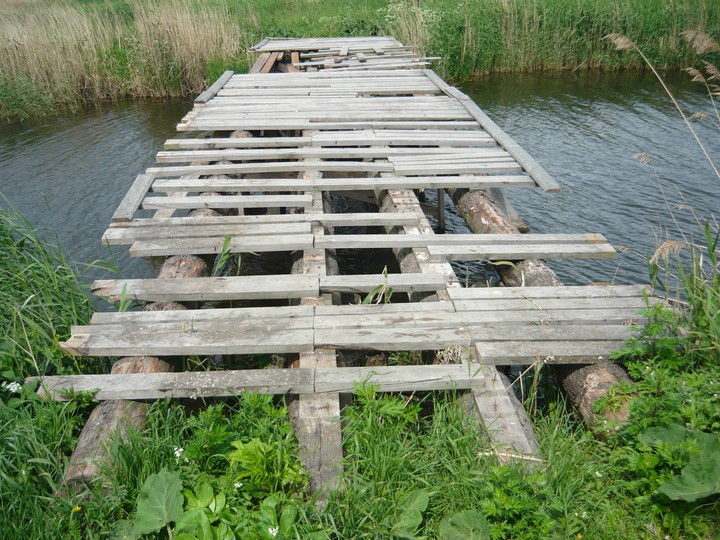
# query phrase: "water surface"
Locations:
[[71, 172]]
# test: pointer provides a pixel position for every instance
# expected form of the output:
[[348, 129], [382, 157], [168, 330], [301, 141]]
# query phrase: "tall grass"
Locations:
[[40, 298], [65, 54]]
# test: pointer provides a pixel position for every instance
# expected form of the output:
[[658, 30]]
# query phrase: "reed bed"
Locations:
[[59, 55]]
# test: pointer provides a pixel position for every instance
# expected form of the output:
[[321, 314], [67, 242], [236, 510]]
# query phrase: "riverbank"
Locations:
[[59, 56], [414, 465]]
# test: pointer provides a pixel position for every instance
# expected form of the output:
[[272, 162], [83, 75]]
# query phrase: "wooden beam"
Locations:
[[197, 384]]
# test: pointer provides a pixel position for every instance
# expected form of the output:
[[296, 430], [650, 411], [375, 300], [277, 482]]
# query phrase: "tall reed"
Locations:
[[40, 298]]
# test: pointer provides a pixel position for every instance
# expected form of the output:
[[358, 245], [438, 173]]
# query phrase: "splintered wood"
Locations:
[[351, 117]]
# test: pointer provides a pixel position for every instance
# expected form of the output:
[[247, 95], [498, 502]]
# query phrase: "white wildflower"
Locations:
[[239, 485], [178, 451], [13, 387], [598, 474], [273, 531]]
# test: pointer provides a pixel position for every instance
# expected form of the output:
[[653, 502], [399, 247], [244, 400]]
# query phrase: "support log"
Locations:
[[584, 385], [108, 420]]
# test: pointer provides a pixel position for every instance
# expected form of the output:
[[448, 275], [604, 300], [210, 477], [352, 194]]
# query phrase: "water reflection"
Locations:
[[70, 172], [585, 129]]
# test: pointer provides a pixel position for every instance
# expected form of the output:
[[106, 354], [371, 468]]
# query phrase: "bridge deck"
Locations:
[[271, 148]]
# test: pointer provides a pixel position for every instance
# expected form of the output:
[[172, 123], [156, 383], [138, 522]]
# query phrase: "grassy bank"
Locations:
[[415, 466], [63, 55]]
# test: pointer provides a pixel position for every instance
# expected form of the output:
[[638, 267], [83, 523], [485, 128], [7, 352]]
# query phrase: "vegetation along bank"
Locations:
[[62, 55]]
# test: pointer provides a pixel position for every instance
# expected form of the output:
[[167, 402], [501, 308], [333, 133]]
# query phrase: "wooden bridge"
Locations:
[[358, 118]]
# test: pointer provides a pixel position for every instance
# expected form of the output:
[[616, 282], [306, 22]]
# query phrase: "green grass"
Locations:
[[56, 56]]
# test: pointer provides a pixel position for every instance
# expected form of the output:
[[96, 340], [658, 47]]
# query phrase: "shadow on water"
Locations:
[[71, 172]]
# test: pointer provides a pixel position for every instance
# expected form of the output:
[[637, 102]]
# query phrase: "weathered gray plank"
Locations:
[[227, 201], [209, 245], [133, 198], [210, 93], [345, 184], [188, 343], [560, 251], [543, 179], [280, 381], [208, 289], [128, 235], [548, 352], [587, 291]]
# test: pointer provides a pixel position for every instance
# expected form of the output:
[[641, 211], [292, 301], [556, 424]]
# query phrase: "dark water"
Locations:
[[585, 129], [70, 173]]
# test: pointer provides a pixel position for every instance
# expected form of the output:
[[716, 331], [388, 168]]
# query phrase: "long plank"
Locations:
[[357, 219], [227, 201], [344, 184], [451, 241], [259, 287], [128, 235], [547, 352], [210, 245], [325, 153], [210, 93], [516, 253], [587, 291], [486, 318], [269, 167], [133, 198], [185, 342], [208, 289], [543, 179]]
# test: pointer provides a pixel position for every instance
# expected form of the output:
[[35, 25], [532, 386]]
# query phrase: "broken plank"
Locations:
[[133, 198]]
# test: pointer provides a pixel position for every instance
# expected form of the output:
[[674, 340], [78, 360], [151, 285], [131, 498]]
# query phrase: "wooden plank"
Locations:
[[237, 142], [210, 245], [359, 219], [541, 177], [636, 303], [270, 63], [546, 352], [210, 93], [208, 289], [405, 155], [344, 184], [392, 339], [185, 342], [516, 253], [222, 124], [133, 198], [458, 242], [261, 314], [587, 291], [449, 319], [367, 283], [270, 167], [198, 384], [227, 201], [128, 235]]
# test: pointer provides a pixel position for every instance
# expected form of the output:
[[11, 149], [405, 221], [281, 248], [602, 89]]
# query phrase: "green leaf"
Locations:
[[124, 530], [411, 508], [204, 495], [468, 525], [159, 503], [189, 521], [217, 503], [288, 518], [695, 481]]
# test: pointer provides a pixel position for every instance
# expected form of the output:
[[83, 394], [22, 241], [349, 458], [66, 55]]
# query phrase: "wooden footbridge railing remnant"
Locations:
[[359, 118]]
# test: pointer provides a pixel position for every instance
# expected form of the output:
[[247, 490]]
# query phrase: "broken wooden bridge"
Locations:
[[272, 152]]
